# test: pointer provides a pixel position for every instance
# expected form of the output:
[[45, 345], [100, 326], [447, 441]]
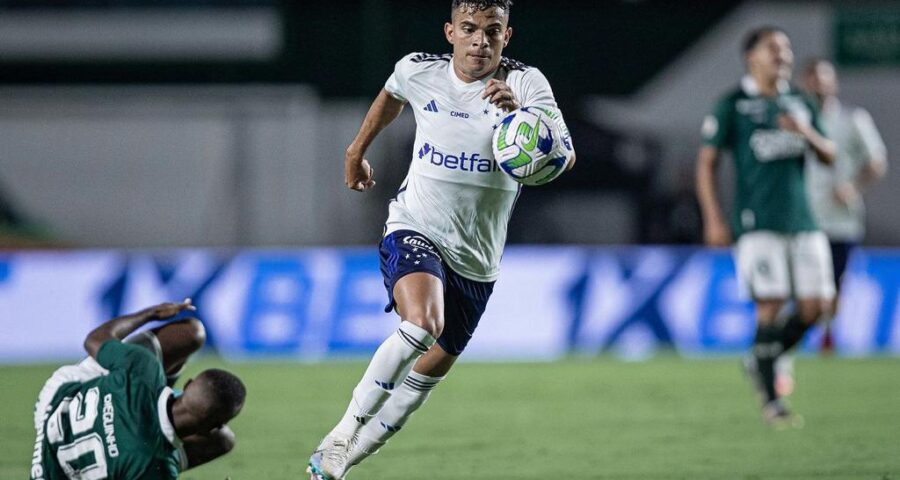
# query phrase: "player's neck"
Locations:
[[181, 419], [767, 86], [460, 74]]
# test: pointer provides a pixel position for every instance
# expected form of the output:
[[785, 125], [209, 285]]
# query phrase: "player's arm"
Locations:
[[873, 171], [120, 327], [821, 146], [358, 174], [536, 91], [847, 192], [201, 449], [715, 230], [872, 144]]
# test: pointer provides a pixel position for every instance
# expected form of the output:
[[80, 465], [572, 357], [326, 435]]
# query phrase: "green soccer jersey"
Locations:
[[770, 192], [113, 426]]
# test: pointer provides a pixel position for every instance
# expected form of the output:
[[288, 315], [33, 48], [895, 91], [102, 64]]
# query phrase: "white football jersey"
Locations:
[[858, 143], [454, 193]]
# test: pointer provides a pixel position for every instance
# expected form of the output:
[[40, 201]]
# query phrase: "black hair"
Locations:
[[227, 392], [480, 5], [756, 35]]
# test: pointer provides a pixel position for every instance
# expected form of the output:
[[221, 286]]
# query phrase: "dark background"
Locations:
[[332, 44]]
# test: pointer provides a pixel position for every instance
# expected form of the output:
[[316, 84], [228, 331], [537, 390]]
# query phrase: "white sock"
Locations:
[[411, 395], [389, 366]]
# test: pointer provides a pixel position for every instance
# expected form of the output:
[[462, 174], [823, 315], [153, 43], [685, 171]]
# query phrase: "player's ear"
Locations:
[[507, 35], [448, 32]]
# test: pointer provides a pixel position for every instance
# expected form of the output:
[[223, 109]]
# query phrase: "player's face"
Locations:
[[821, 80], [772, 58], [478, 38], [196, 400]]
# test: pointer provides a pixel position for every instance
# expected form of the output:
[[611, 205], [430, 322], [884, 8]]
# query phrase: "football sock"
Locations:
[[408, 397], [793, 331], [766, 349], [388, 367]]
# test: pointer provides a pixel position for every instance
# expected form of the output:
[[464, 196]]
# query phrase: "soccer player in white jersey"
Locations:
[[446, 228], [861, 160]]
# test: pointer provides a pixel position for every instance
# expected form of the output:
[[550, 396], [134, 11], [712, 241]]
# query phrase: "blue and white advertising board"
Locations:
[[314, 304]]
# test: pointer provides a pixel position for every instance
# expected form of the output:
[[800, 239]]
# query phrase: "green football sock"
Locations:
[[793, 331], [766, 348]]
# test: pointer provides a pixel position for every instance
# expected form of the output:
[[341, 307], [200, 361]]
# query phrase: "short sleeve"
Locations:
[[397, 84], [716, 129], [137, 361], [536, 90], [869, 140]]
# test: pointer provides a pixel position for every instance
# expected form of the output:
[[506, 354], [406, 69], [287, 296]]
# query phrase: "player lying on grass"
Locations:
[[115, 416]]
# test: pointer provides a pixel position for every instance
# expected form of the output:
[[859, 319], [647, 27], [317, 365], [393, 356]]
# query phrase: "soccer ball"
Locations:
[[532, 145]]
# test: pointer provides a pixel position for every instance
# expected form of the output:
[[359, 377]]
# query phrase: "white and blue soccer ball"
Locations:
[[532, 145]]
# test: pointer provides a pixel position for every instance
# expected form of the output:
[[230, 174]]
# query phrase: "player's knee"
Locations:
[[432, 324], [812, 315], [196, 333], [813, 311], [767, 311]]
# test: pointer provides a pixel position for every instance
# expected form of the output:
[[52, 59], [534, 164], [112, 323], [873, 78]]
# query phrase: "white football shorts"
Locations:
[[773, 265]]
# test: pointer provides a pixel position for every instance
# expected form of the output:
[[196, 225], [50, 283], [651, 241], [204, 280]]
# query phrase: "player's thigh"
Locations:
[[762, 266], [179, 340], [813, 274], [465, 301], [414, 279], [419, 298]]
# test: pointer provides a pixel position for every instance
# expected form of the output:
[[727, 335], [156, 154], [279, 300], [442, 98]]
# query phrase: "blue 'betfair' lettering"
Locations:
[[466, 163]]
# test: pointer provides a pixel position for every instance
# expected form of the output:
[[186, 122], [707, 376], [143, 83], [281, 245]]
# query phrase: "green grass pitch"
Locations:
[[668, 418]]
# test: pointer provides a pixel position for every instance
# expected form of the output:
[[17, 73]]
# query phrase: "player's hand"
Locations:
[[499, 93], [716, 234], [168, 310], [358, 174], [846, 194], [791, 123]]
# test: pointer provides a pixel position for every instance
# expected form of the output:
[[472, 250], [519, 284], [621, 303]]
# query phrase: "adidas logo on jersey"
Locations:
[[431, 107]]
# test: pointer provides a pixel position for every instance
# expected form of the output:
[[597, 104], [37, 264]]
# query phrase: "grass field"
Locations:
[[668, 418]]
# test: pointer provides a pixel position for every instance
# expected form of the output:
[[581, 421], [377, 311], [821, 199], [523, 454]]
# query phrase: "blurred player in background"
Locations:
[[115, 415], [780, 254], [446, 227], [861, 160]]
